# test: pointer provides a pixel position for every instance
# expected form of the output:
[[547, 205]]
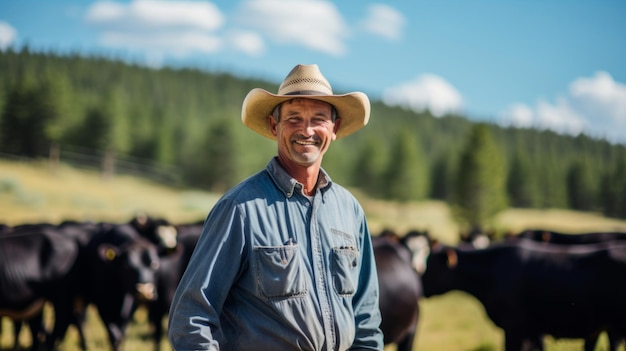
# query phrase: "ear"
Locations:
[[272, 123], [107, 252], [336, 127]]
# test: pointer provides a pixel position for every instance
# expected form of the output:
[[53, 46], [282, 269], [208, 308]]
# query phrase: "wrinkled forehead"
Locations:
[[300, 101]]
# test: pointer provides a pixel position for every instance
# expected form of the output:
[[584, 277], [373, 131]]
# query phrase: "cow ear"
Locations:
[[453, 259], [107, 252], [434, 244]]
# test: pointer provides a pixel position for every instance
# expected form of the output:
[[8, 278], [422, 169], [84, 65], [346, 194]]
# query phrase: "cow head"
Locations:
[[418, 243], [442, 264], [159, 231], [135, 265], [476, 238]]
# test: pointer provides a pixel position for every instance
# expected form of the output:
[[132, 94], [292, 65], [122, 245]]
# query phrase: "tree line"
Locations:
[[189, 120]]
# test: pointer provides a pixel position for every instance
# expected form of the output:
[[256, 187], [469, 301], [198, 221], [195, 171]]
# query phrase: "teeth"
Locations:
[[302, 142]]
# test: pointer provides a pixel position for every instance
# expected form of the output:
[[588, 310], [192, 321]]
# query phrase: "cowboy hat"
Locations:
[[305, 81]]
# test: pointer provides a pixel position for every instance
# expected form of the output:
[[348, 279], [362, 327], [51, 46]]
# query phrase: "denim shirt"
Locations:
[[274, 270]]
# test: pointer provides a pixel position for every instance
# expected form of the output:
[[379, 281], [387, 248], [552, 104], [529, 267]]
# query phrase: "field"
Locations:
[[455, 321]]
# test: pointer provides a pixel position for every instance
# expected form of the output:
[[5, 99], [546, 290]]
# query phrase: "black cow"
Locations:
[[122, 269], [532, 289], [548, 236], [400, 291], [157, 230], [170, 271], [38, 264]]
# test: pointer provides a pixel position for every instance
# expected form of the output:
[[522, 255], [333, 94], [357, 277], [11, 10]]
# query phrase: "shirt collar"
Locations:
[[287, 184]]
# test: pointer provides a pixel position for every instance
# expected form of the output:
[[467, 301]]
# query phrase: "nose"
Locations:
[[308, 128], [146, 291]]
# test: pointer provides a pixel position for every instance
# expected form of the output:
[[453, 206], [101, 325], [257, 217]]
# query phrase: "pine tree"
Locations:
[[521, 182], [442, 178], [213, 163], [552, 176], [580, 188], [369, 168], [407, 174], [480, 179], [15, 116], [613, 190]]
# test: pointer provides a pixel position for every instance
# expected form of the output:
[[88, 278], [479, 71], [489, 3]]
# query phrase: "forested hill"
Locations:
[[188, 121]]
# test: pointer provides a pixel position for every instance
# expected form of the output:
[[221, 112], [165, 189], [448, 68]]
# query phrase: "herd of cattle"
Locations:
[[114, 267], [532, 284]]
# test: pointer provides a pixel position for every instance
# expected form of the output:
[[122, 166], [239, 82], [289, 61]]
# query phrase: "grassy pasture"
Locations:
[[32, 192]]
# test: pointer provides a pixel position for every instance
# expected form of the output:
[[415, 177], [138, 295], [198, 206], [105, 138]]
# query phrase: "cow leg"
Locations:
[[79, 318], [78, 315], [535, 344], [17, 328], [615, 339], [116, 335], [38, 331], [155, 316], [515, 342], [406, 344], [62, 321], [590, 342]]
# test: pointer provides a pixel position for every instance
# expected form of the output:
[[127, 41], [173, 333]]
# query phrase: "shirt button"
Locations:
[[307, 204]]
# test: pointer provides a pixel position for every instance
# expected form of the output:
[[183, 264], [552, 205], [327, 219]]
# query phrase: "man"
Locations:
[[285, 258]]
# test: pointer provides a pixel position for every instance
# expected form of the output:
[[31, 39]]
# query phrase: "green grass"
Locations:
[[32, 192]]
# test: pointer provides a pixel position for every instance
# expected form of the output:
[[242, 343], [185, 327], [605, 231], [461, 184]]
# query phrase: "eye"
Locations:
[[320, 120]]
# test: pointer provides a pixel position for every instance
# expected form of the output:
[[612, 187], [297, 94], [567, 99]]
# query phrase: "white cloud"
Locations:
[[428, 91], [594, 105], [158, 27], [600, 97], [314, 24], [7, 35], [143, 14], [520, 115], [559, 116], [178, 44], [385, 21], [248, 42]]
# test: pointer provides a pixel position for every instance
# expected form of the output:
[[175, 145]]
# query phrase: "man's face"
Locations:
[[304, 131]]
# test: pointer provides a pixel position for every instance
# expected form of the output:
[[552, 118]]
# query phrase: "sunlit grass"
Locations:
[[35, 193]]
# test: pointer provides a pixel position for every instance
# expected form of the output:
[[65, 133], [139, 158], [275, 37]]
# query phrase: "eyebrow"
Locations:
[[316, 114]]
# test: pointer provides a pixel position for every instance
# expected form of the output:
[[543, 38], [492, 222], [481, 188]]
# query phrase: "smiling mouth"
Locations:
[[305, 142]]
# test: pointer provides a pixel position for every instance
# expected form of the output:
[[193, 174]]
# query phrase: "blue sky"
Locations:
[[549, 64]]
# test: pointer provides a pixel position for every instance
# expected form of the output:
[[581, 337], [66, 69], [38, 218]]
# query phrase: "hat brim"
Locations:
[[353, 109]]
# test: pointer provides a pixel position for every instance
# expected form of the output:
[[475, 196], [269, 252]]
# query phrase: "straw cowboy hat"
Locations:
[[305, 81]]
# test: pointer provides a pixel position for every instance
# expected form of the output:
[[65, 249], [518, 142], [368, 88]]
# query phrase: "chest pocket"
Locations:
[[278, 271], [345, 262]]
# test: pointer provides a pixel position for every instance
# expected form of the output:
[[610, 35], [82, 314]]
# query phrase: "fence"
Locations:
[[109, 164]]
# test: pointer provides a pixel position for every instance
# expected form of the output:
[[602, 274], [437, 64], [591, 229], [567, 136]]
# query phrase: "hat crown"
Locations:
[[305, 80]]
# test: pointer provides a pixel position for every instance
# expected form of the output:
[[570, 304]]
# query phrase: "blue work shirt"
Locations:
[[274, 270]]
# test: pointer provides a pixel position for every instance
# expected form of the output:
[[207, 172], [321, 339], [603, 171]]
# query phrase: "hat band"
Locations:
[[306, 92]]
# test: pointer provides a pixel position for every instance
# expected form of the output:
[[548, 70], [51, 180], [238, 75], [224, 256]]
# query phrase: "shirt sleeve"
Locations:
[[194, 318], [365, 303]]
